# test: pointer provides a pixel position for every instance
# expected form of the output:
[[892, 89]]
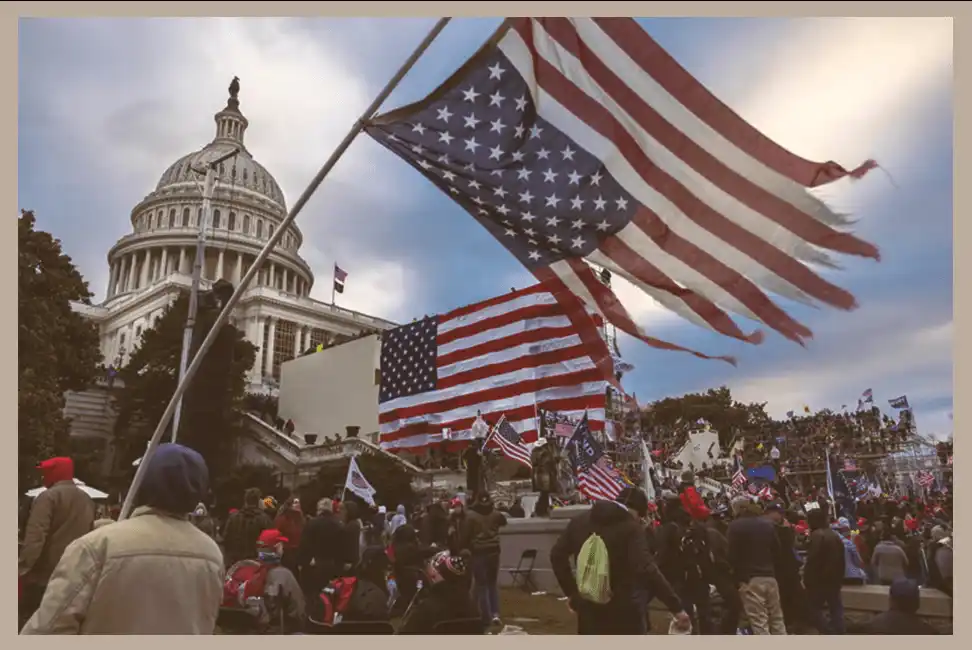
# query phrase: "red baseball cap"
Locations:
[[271, 537]]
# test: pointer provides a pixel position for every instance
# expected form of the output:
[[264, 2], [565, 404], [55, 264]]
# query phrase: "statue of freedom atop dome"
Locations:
[[234, 88]]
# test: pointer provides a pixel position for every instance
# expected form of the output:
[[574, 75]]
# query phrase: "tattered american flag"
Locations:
[[509, 441], [507, 355], [580, 140]]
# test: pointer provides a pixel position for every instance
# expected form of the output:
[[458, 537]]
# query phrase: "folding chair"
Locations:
[[526, 574], [460, 626]]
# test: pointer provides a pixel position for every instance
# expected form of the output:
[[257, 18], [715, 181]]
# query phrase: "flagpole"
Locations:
[[261, 258]]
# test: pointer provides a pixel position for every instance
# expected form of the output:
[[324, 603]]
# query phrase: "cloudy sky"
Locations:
[[107, 104]]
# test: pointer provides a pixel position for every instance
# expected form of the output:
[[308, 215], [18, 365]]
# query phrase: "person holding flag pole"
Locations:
[[257, 265]]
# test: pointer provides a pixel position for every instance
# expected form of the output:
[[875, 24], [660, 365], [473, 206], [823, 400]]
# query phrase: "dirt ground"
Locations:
[[540, 614]]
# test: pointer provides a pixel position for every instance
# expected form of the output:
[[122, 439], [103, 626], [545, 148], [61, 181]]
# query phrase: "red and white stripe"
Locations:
[[725, 214], [513, 451], [505, 356], [598, 484]]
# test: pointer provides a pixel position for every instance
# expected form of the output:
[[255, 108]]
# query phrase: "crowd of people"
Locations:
[[263, 569], [721, 565], [778, 564], [801, 441]]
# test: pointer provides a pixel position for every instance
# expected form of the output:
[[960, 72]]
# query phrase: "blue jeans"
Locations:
[[485, 574], [817, 599]]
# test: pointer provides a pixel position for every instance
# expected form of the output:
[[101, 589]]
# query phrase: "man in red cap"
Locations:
[[59, 515], [266, 588]]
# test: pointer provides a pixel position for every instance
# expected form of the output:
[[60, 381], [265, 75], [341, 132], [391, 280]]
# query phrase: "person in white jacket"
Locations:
[[153, 573]]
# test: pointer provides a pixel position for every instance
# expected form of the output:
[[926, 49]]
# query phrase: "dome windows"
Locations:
[[246, 224], [158, 219], [231, 221], [172, 218], [259, 232], [269, 231], [217, 217], [185, 218]]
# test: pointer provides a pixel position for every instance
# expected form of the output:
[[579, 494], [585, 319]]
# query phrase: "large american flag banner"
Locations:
[[597, 479], [509, 441], [507, 355], [580, 141]]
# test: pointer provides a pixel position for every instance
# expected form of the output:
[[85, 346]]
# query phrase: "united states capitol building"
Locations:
[[150, 266]]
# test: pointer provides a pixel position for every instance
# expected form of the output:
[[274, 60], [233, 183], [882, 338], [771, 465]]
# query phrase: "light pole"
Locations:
[[209, 187]]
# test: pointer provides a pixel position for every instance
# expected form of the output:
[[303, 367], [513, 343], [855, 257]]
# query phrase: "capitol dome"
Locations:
[[247, 207]]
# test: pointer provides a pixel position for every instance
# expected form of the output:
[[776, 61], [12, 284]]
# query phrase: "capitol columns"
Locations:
[[219, 265], [143, 276], [238, 269], [112, 279], [258, 363], [182, 259], [163, 270], [272, 324], [130, 285]]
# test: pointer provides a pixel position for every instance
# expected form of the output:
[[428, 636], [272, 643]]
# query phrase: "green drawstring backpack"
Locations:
[[593, 571]]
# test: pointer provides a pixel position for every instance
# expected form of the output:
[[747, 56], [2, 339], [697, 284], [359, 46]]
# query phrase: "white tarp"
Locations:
[[90, 491]]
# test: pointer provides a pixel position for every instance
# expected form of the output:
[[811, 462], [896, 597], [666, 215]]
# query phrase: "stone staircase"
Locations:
[[91, 412]]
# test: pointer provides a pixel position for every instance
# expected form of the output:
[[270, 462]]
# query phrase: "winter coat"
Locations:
[[154, 573], [824, 567], [632, 569], [480, 533], [889, 561], [59, 515], [242, 530]]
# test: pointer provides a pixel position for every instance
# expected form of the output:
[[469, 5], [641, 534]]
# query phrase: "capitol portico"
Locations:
[[151, 265]]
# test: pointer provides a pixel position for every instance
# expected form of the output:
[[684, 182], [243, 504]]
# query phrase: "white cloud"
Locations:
[[925, 354], [300, 93]]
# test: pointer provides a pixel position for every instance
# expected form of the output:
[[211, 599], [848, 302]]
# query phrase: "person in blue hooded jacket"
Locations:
[[153, 573], [854, 572]]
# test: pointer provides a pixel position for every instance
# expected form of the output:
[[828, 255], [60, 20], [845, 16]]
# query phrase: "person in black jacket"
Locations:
[[409, 555], [445, 595], [753, 553], [792, 596], [823, 574], [481, 535], [631, 566], [684, 558], [323, 551], [243, 528], [902, 615]]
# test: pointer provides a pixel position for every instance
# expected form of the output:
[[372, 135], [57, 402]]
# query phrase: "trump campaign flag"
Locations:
[[580, 141]]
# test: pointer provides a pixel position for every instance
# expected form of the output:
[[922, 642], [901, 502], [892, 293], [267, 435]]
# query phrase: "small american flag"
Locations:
[[578, 141], [597, 479], [509, 442], [340, 275], [765, 493], [753, 488], [867, 396], [850, 465], [508, 355]]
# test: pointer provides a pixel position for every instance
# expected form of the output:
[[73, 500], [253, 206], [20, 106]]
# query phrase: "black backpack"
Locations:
[[696, 554]]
